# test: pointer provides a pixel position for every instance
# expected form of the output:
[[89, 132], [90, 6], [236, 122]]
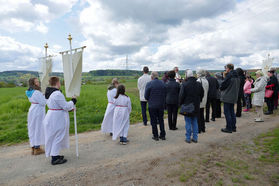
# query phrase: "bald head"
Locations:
[[154, 75]]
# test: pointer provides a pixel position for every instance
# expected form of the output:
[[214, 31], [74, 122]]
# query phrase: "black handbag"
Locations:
[[187, 109]]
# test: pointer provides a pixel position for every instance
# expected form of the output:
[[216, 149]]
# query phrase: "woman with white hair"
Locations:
[[205, 85], [190, 96], [259, 93]]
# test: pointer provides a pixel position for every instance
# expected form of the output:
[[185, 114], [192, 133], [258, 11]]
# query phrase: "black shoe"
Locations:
[[155, 138], [203, 131], [162, 138], [212, 119], [234, 130], [110, 134], [195, 141], [175, 128], [188, 141], [61, 157], [200, 132], [58, 161], [226, 130], [268, 113]]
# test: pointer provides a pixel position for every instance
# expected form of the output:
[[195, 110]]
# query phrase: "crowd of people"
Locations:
[[204, 93], [199, 97]]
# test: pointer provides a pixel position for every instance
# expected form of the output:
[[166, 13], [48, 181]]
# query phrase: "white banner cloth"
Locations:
[[266, 65], [72, 73], [46, 69]]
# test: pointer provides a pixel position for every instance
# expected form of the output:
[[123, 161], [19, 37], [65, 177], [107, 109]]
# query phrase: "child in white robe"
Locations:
[[108, 118], [121, 117], [36, 115], [57, 121]]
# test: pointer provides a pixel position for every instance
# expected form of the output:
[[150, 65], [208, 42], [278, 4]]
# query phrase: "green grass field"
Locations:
[[91, 107]]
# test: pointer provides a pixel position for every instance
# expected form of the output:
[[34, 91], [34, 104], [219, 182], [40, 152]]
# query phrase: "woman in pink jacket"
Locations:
[[247, 92]]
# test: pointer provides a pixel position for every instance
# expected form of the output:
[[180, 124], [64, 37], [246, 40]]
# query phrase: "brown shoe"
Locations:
[[32, 150], [38, 151]]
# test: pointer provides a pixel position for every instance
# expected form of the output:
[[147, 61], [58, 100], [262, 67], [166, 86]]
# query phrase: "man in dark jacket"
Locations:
[[242, 79], [229, 96], [173, 89], [272, 84], [191, 93], [155, 94], [219, 77], [211, 97]]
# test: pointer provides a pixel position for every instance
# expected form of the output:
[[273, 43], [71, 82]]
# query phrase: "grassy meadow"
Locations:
[[91, 107]]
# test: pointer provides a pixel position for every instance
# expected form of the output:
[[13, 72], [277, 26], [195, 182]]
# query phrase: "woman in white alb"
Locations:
[[57, 121], [36, 115], [108, 118], [121, 117]]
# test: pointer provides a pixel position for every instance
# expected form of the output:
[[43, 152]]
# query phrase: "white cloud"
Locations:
[[42, 28], [180, 33], [18, 56], [31, 15]]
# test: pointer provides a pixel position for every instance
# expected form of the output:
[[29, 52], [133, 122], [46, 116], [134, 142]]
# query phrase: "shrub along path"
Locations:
[[241, 158]]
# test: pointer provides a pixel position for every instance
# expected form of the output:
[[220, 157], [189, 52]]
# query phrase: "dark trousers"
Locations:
[[218, 108], [172, 115], [248, 100], [270, 104], [230, 116], [275, 98], [201, 120], [212, 102], [143, 111], [239, 107], [243, 101], [157, 115]]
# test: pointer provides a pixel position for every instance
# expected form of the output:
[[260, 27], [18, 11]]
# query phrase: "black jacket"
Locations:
[[230, 88], [213, 87], [191, 92], [173, 89], [273, 80], [242, 78], [155, 93]]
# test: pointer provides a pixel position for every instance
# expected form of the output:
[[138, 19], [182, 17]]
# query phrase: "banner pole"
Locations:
[[46, 46], [75, 115]]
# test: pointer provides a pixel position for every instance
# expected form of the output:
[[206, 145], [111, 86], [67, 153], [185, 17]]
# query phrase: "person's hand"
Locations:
[[72, 110]]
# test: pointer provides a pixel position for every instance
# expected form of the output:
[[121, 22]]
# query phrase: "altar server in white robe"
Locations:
[[36, 115], [108, 118], [121, 117], [56, 122]]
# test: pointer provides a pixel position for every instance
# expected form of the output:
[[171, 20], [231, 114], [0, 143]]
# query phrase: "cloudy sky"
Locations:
[[159, 33]]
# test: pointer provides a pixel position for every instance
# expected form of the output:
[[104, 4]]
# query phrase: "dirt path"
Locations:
[[105, 162]]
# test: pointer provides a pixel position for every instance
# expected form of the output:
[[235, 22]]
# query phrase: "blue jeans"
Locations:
[[191, 126], [230, 116]]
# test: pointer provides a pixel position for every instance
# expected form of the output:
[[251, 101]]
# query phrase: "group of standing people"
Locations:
[[117, 116], [194, 95], [199, 94]]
